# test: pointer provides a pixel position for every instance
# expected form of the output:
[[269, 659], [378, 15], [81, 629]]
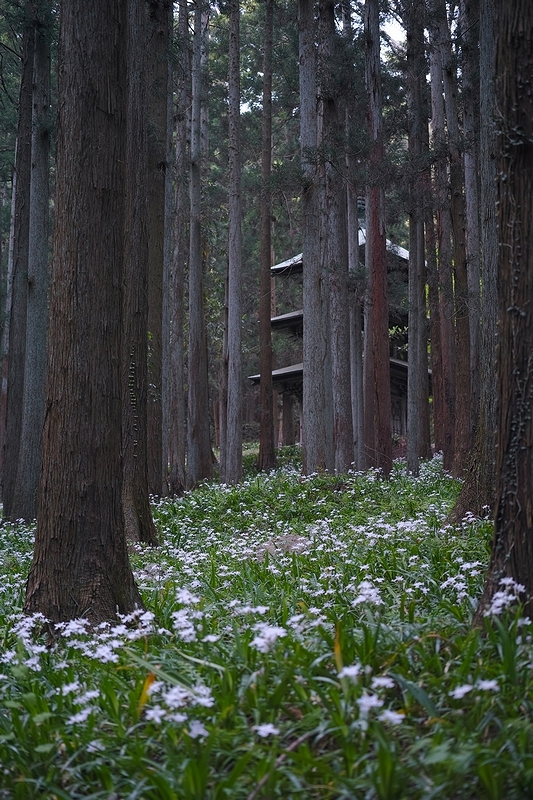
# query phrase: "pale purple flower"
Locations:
[[460, 691], [382, 683], [266, 729], [393, 717], [488, 685], [197, 730], [268, 634], [81, 716], [155, 714], [353, 671], [368, 701]]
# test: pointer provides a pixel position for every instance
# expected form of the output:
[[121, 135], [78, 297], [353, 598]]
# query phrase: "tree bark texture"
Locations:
[[16, 349], [26, 488], [512, 553], [233, 460], [157, 68], [377, 382], [267, 452], [177, 415], [477, 492], [463, 393], [80, 566], [199, 460], [335, 248], [138, 520], [444, 243], [315, 446]]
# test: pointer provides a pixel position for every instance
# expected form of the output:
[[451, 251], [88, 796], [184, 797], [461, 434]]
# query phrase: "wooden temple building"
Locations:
[[288, 381]]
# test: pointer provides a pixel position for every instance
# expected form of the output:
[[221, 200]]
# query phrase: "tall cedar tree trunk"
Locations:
[[199, 460], [469, 27], [177, 422], [315, 457], [444, 243], [477, 492], [80, 565], [233, 458], [335, 239], [417, 387], [355, 310], [512, 552], [267, 452], [377, 372], [26, 489], [16, 349], [139, 525], [157, 69], [463, 394]]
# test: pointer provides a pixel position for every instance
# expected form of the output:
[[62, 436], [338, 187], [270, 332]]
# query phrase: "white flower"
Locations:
[[352, 672], [367, 594], [488, 686], [67, 688], [393, 717], [460, 691], [211, 637], [197, 729], [266, 729], [267, 636], [104, 653], [368, 701], [186, 598], [155, 714], [176, 697], [383, 682], [81, 716]]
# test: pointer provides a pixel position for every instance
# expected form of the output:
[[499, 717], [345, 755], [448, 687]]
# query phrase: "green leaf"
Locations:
[[420, 695], [45, 748]]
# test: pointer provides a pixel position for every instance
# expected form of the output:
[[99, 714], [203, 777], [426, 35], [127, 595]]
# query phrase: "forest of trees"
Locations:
[[157, 159]]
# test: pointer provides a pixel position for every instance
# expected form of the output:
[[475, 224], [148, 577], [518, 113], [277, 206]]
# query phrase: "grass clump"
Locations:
[[305, 637]]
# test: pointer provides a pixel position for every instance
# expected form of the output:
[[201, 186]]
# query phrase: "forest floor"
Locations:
[[303, 637]]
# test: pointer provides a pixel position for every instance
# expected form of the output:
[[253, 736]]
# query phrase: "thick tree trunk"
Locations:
[[16, 349], [512, 553], [377, 381], [26, 489], [199, 460], [233, 459], [477, 493], [157, 70], [139, 525], [80, 565], [267, 452]]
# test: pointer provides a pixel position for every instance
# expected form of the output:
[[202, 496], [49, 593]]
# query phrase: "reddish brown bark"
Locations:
[[80, 565]]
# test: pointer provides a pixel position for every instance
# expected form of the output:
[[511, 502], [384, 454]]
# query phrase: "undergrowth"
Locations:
[[304, 637]]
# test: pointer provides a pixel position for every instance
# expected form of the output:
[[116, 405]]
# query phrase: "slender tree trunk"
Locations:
[[80, 566], [444, 250], [233, 460], [335, 239], [199, 460], [26, 488], [177, 420], [315, 450], [378, 379], [267, 452], [157, 49], [463, 394], [512, 552], [138, 522], [469, 19], [16, 352]]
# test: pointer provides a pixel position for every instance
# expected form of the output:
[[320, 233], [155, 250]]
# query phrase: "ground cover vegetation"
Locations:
[[302, 637]]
